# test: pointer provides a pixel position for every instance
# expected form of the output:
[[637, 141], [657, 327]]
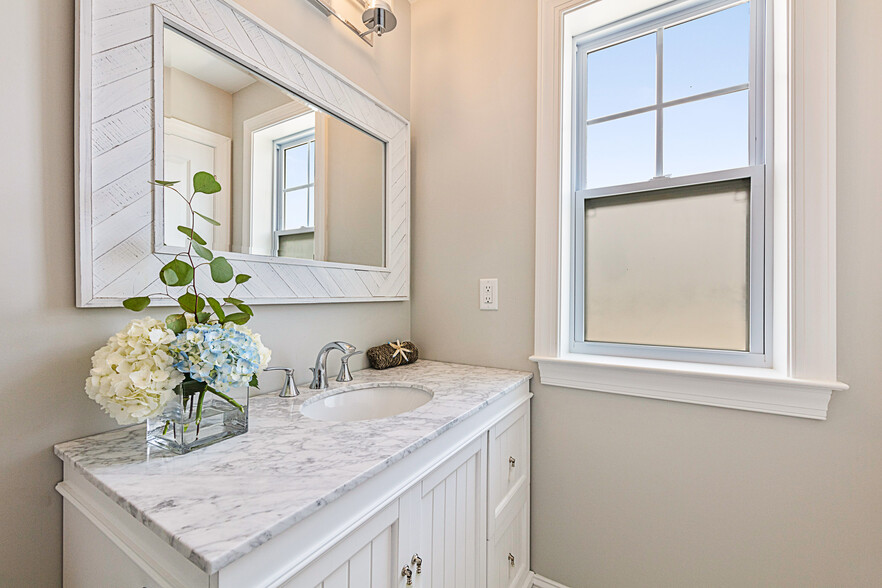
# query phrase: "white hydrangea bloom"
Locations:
[[133, 376]]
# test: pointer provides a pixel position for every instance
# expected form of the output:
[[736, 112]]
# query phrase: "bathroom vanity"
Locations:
[[436, 497]]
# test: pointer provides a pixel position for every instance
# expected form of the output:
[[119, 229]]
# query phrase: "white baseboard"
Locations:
[[542, 582]]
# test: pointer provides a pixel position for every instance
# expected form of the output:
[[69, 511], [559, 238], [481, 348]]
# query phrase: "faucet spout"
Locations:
[[320, 371]]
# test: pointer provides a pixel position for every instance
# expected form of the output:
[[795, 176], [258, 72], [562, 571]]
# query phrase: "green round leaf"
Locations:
[[202, 317], [165, 182], [203, 252], [229, 300], [242, 278], [209, 220], [176, 273], [176, 323], [240, 318], [216, 307], [191, 303], [192, 234], [205, 183], [138, 303], [245, 308], [221, 270]]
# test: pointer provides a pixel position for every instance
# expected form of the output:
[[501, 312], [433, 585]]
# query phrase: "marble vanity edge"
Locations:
[[211, 566]]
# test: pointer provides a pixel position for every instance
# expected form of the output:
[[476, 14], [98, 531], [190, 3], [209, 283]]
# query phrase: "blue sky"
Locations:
[[701, 55]]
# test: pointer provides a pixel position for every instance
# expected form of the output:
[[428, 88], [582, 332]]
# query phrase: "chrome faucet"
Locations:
[[320, 371]]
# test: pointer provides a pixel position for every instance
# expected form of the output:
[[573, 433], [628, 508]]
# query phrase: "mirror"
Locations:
[[297, 182]]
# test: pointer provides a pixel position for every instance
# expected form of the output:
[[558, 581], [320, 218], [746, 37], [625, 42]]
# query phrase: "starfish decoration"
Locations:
[[400, 351]]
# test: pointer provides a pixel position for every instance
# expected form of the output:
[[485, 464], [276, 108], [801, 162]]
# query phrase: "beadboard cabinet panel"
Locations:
[[452, 515]]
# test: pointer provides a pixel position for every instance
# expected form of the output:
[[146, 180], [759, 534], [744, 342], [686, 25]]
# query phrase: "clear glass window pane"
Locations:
[[621, 77], [621, 151], [311, 203], [312, 162], [707, 135], [708, 53], [669, 267], [297, 208], [297, 166]]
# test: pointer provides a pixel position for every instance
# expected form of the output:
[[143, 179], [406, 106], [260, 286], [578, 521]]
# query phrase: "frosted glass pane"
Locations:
[[708, 53], [621, 77], [297, 166], [297, 209], [621, 151], [669, 267], [707, 135]]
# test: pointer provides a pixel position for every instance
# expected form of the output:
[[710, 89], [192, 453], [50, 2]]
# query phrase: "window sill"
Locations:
[[752, 389]]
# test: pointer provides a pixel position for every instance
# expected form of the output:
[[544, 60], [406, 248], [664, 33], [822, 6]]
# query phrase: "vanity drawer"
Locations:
[[509, 554], [509, 460]]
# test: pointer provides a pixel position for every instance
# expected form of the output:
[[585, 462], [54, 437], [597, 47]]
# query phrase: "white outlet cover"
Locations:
[[489, 294]]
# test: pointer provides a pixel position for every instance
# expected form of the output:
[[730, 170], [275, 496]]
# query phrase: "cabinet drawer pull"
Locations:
[[511, 560], [511, 462], [406, 573], [417, 561]]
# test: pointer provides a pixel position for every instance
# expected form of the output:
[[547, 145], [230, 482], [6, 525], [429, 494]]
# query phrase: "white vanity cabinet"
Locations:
[[453, 513]]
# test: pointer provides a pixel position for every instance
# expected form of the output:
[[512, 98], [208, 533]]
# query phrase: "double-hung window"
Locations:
[[295, 189], [671, 199]]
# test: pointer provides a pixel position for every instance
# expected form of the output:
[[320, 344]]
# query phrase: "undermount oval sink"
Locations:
[[365, 402]]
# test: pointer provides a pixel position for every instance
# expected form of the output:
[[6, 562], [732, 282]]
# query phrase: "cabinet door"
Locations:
[[452, 539], [367, 558]]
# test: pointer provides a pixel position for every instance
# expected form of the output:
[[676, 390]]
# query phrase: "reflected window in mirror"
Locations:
[[295, 201], [297, 182]]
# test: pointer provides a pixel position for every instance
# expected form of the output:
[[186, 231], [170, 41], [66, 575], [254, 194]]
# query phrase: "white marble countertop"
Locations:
[[216, 504]]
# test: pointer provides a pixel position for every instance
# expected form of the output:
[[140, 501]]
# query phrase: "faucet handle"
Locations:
[[289, 389], [345, 375]]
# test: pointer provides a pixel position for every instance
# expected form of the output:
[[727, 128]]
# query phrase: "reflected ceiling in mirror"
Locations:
[[297, 182]]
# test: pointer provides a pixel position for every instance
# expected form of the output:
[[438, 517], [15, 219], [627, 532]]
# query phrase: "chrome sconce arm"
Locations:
[[377, 17]]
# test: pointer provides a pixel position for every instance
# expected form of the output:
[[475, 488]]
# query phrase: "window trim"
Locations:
[[802, 96]]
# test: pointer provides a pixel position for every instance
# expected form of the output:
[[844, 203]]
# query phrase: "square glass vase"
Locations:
[[177, 430]]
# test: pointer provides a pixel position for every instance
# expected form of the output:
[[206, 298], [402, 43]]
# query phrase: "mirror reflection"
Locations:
[[297, 182]]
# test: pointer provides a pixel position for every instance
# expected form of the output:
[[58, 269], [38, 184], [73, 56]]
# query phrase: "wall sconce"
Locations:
[[377, 17]]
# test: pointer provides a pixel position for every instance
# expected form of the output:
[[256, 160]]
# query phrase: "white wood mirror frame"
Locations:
[[119, 150]]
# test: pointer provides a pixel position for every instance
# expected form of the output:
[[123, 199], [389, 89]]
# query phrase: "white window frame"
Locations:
[[800, 376], [759, 259], [281, 146]]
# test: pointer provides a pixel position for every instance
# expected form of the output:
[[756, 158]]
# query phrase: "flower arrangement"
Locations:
[[192, 353], [133, 376]]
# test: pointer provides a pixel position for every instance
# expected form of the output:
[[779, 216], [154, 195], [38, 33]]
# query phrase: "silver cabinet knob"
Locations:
[[406, 573], [417, 561], [511, 462], [511, 560]]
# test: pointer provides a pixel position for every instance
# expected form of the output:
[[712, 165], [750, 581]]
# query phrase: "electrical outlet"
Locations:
[[489, 294]]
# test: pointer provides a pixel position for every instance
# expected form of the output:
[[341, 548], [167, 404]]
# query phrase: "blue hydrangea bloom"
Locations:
[[219, 355]]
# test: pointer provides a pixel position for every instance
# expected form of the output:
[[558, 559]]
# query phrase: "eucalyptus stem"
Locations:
[[227, 398], [199, 412]]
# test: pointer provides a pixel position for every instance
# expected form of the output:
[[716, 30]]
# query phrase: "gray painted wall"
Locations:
[[47, 342], [631, 491]]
